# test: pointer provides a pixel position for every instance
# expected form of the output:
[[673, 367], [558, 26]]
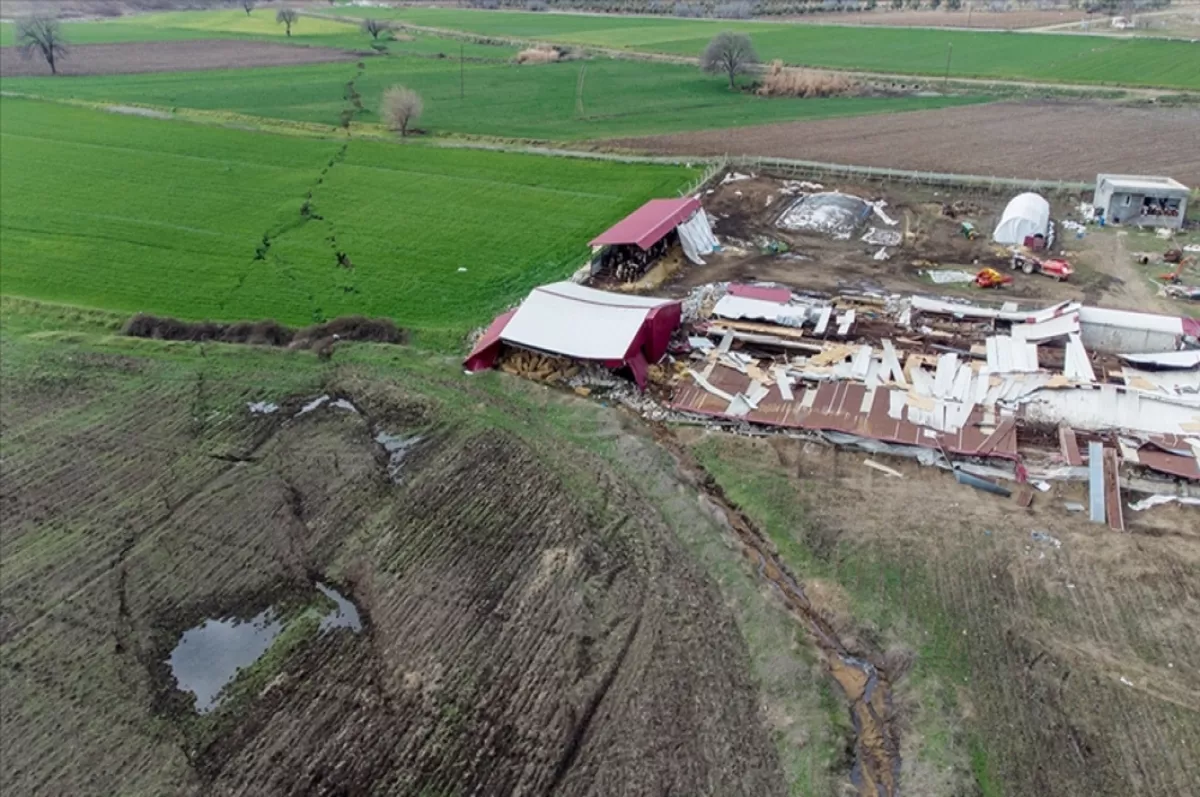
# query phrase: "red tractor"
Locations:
[[1058, 269]]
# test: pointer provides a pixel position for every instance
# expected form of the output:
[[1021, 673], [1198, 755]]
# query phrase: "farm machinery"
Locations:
[[1174, 279], [991, 278], [1030, 263]]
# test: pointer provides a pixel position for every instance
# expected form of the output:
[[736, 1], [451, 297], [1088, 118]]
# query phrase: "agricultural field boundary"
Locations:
[[1105, 90], [787, 167], [713, 165], [1142, 89]]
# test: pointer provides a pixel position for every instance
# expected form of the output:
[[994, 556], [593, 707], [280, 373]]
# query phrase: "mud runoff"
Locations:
[[876, 769]]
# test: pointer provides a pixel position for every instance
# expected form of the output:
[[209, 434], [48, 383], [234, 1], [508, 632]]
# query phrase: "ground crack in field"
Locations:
[[876, 770]]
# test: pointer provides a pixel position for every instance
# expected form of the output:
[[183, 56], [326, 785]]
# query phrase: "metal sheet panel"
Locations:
[[838, 406], [649, 223], [1096, 482]]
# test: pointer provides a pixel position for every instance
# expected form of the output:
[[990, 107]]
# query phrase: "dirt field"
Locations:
[[746, 212], [527, 615], [1071, 667], [174, 56], [1047, 140], [983, 20]]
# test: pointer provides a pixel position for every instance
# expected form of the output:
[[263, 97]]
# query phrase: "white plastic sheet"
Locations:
[[696, 237]]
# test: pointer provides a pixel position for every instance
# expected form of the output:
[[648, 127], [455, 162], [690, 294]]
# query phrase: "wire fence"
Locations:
[[792, 169]]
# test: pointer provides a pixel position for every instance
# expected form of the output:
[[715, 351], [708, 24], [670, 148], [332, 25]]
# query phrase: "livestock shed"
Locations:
[[636, 241], [584, 324], [1141, 200], [1025, 216]]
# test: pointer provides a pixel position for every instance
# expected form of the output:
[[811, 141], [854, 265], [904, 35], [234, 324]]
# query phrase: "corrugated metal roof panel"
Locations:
[[649, 223], [837, 406]]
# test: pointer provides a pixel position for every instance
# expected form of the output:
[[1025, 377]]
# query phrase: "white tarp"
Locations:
[[579, 322], [696, 237], [1026, 214]]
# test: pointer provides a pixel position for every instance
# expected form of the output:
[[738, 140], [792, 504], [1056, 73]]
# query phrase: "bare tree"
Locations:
[[400, 108], [248, 5], [375, 27], [288, 17], [728, 53], [42, 35]]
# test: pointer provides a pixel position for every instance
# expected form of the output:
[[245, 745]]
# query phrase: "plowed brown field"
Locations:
[[174, 56], [531, 625], [1046, 140]]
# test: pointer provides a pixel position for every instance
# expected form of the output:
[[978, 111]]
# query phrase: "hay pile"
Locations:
[[780, 81], [538, 55]]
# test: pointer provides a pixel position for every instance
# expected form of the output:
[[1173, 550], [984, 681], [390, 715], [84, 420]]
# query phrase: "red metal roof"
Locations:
[[648, 224], [766, 293], [838, 406]]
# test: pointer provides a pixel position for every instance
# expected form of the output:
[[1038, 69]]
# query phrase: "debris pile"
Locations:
[[829, 213]]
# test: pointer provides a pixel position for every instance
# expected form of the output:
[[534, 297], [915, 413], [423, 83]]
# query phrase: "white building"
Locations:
[[1141, 200]]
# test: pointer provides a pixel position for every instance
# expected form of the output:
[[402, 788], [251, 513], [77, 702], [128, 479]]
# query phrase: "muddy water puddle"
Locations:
[[209, 656], [397, 448]]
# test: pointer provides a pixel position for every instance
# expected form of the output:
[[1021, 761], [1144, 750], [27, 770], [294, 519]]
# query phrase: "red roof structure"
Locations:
[[583, 323], [648, 224], [850, 408]]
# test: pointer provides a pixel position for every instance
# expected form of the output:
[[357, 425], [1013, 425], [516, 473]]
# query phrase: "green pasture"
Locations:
[[134, 214], [619, 98], [1015, 56], [259, 25]]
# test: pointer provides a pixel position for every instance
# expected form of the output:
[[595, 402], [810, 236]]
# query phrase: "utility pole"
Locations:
[[949, 52], [462, 78], [970, 8]]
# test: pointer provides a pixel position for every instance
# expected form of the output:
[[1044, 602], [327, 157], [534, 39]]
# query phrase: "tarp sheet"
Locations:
[[1026, 214], [696, 237]]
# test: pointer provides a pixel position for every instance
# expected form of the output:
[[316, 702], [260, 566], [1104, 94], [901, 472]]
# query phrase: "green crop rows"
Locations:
[[1017, 56], [620, 98], [133, 214]]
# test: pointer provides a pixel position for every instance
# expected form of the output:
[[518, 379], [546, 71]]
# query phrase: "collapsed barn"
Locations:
[[994, 393]]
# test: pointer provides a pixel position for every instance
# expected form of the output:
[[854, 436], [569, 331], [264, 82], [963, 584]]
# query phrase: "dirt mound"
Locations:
[[176, 56], [266, 333], [526, 617]]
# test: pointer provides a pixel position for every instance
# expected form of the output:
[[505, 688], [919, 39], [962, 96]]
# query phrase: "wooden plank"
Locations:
[[767, 329], [1112, 490], [1069, 445]]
